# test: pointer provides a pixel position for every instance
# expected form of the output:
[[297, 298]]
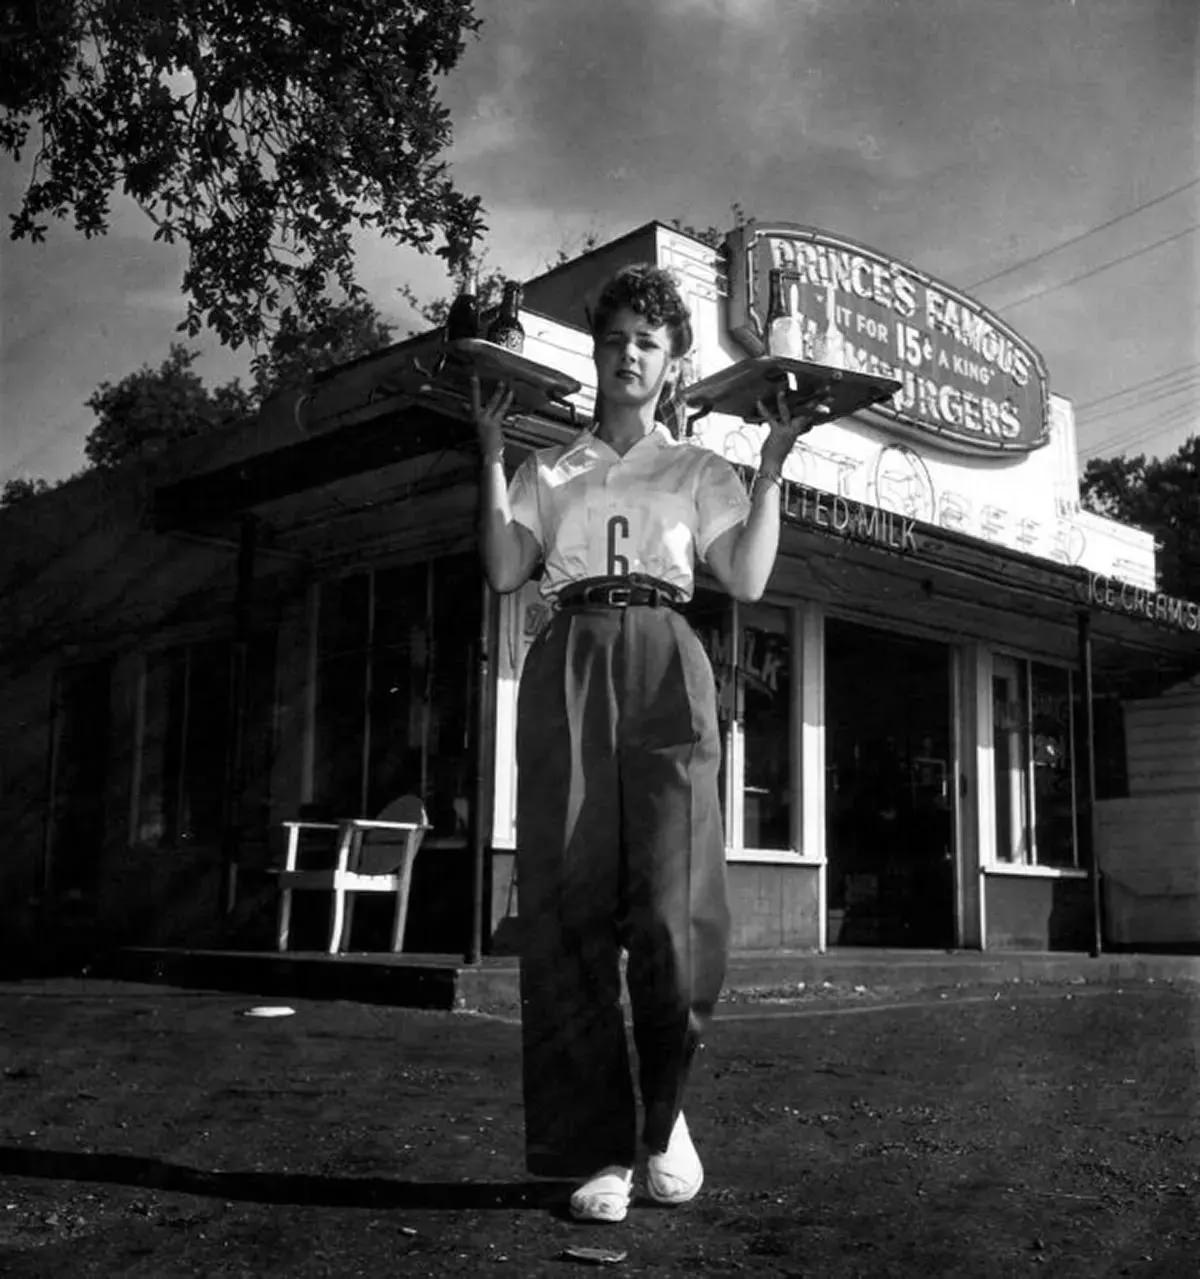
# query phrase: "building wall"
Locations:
[[773, 906], [1149, 841], [1027, 912]]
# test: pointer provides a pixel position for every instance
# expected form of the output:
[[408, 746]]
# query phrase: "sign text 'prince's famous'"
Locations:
[[969, 382]]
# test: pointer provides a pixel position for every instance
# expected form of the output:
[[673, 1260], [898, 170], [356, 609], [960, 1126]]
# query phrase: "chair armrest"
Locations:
[[293, 844], [369, 823]]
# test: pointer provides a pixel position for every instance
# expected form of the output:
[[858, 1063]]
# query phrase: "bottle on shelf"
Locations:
[[506, 329], [785, 331], [462, 320]]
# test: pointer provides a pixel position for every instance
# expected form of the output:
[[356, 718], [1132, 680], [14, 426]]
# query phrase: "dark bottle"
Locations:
[[506, 329], [462, 320], [785, 333]]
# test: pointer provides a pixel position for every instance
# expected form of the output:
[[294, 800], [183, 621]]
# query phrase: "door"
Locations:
[[890, 794]]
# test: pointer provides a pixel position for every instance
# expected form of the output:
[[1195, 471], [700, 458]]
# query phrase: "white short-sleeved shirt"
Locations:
[[596, 513]]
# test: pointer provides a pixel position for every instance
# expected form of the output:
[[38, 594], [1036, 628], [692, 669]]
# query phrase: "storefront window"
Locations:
[[342, 643], [81, 757], [754, 695], [764, 666], [185, 743], [1032, 746], [396, 681]]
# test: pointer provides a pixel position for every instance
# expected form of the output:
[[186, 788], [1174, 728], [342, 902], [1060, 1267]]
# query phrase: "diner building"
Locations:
[[922, 718]]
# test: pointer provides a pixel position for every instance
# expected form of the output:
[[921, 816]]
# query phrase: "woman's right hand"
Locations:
[[489, 418]]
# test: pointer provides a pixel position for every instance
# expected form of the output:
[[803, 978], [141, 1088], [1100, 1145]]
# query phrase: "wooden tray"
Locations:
[[821, 390], [533, 384]]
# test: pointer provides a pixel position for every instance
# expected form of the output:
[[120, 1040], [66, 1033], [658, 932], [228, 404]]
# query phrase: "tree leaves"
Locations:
[[1160, 495], [263, 136], [151, 409]]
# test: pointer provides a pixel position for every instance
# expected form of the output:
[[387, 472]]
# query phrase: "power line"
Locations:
[[1158, 378], [1104, 266], [1151, 397], [1122, 442], [1173, 413], [1083, 235], [1137, 430]]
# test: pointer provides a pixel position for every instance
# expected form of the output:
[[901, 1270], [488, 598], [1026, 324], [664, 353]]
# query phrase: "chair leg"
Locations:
[[348, 921], [285, 918], [338, 921], [400, 923]]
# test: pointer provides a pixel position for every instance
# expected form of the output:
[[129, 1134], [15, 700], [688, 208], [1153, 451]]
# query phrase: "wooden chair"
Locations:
[[373, 855]]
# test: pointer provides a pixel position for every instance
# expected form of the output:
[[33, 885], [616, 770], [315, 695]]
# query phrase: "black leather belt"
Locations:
[[620, 592]]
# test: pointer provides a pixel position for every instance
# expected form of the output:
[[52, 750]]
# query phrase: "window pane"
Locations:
[[457, 607], [1009, 737], [80, 775], [765, 670], [400, 669], [1053, 791], [206, 734], [341, 695]]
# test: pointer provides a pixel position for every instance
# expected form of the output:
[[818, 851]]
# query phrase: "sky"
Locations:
[[1041, 155]]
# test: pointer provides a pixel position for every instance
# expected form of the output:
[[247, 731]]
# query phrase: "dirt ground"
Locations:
[[1029, 1129]]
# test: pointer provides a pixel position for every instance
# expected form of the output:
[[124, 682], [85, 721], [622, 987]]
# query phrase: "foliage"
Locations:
[[152, 408], [489, 287], [260, 135], [1160, 495], [713, 236], [344, 331], [21, 487], [148, 410]]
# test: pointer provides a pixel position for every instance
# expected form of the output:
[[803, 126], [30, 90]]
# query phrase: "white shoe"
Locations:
[[604, 1196], [676, 1175]]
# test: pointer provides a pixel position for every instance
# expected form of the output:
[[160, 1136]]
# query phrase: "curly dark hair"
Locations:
[[651, 292]]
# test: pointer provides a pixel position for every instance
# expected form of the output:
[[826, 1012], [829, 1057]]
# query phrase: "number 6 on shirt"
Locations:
[[618, 565]]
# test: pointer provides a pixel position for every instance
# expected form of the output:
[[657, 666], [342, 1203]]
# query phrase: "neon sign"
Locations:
[[969, 382]]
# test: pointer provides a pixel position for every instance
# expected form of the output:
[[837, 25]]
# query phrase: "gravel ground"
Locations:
[[1030, 1129]]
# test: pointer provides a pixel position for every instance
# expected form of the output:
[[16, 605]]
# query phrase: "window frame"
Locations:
[[1023, 804]]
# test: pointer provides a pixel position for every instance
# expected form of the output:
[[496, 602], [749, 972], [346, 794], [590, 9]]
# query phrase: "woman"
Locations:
[[619, 834]]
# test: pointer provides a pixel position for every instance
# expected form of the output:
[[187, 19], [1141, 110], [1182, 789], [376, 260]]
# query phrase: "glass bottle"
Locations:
[[506, 329], [462, 320], [785, 332], [831, 345]]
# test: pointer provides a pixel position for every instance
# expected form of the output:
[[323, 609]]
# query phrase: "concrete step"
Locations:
[[446, 982]]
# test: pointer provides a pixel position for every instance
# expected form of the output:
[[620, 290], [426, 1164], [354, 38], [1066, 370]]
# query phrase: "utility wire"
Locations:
[[1171, 413], [1126, 437], [1157, 379], [1151, 397], [1120, 442], [1104, 266], [1083, 235]]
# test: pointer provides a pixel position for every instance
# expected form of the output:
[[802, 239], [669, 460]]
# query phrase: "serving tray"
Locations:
[[533, 384], [819, 390]]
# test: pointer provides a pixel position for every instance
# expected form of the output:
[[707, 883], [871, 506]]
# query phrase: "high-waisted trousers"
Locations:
[[619, 847]]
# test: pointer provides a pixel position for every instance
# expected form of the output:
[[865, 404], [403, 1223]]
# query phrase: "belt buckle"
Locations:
[[619, 596]]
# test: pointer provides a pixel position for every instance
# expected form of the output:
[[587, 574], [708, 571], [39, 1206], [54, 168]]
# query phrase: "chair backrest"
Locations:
[[382, 850], [407, 808]]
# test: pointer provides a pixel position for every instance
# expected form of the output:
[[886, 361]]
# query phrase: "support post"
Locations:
[[1089, 741], [235, 758], [481, 806]]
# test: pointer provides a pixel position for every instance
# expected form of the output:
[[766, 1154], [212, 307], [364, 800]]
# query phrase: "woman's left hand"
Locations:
[[786, 427]]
